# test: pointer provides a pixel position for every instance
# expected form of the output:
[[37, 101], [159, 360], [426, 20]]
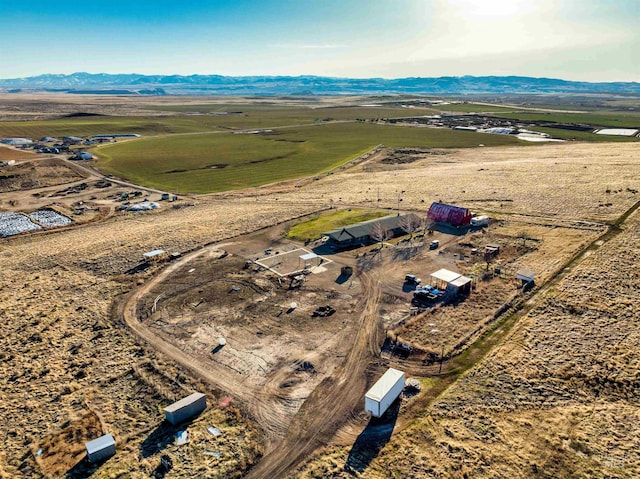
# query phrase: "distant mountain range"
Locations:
[[103, 83]]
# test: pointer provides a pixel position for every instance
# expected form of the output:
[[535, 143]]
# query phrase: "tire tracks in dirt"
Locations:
[[331, 404]]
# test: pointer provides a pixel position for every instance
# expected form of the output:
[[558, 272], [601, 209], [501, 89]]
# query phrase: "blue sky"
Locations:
[[594, 40]]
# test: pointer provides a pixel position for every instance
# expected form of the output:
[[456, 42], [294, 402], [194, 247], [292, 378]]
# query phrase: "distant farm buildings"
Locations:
[[454, 215], [82, 156], [16, 141]]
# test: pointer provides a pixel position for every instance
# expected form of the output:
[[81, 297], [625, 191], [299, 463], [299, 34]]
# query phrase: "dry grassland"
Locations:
[[13, 154], [40, 174], [560, 398], [566, 182], [59, 344]]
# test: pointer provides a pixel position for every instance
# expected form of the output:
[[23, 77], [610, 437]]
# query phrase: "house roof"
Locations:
[[363, 229]]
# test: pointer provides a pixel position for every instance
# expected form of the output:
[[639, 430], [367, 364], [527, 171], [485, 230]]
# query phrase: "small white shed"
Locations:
[[101, 448]]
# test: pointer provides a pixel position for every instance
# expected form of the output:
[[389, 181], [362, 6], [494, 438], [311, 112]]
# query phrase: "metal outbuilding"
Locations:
[[443, 213], [525, 275], [101, 448], [451, 281], [185, 408]]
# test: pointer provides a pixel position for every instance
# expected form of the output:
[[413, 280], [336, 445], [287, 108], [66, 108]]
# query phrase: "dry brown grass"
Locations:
[[7, 154], [564, 182], [40, 174], [61, 341]]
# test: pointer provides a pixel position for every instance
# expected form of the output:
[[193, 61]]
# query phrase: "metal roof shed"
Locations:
[[101, 448], [462, 285], [445, 275], [525, 275]]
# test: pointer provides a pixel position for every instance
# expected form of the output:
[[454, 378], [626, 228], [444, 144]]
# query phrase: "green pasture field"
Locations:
[[96, 125], [206, 163], [271, 116], [313, 228]]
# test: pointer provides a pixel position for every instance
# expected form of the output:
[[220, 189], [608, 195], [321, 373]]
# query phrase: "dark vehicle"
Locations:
[[412, 279]]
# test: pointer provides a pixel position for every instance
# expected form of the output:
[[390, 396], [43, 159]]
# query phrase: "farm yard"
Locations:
[[101, 339]]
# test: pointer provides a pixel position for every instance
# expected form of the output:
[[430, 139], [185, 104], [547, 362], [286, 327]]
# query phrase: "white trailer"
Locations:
[[186, 408], [480, 221], [384, 392]]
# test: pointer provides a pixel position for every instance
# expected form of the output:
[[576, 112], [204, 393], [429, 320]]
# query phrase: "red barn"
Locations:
[[442, 213]]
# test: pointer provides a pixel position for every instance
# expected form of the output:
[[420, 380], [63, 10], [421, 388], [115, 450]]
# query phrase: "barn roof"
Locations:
[[441, 212]]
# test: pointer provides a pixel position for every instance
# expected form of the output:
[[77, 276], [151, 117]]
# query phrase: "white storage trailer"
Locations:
[[101, 448], [384, 392], [480, 221], [186, 408]]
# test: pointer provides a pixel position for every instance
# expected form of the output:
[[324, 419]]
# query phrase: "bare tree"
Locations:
[[408, 224], [424, 225], [379, 233]]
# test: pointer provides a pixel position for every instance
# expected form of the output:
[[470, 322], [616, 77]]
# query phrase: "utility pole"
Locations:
[[441, 359]]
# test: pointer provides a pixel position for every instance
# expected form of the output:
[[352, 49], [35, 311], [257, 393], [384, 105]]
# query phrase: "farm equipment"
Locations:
[[323, 311]]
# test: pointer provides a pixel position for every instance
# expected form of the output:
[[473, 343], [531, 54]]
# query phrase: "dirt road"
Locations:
[[332, 402]]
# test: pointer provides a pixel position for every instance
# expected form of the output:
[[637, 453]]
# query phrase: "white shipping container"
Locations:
[[384, 392], [480, 221]]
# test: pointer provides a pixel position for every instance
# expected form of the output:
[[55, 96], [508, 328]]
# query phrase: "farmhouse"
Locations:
[[451, 282], [186, 408], [443, 213], [365, 233]]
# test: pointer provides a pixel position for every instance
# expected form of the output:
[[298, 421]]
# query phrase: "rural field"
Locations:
[[219, 162], [539, 383]]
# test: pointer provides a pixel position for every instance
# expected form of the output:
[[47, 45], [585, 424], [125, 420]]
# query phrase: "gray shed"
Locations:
[[186, 408], [101, 448]]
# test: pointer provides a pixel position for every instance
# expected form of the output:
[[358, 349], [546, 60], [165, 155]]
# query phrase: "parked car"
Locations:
[[412, 279], [434, 244]]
